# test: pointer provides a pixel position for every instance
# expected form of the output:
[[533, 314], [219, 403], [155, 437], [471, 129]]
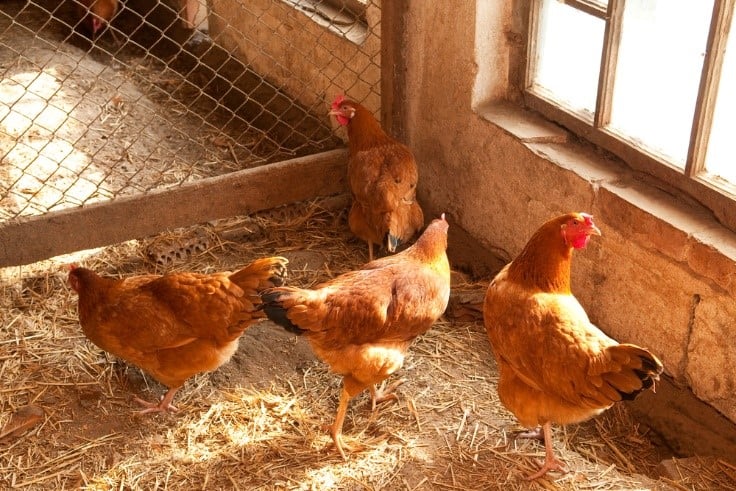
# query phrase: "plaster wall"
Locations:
[[292, 51]]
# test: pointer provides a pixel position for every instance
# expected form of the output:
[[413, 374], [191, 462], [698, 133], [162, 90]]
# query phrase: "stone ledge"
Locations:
[[660, 221], [527, 127]]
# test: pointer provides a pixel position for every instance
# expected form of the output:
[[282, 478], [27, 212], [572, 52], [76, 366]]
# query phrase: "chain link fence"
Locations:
[[169, 91]]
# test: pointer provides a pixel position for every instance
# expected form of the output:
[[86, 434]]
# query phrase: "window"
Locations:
[[653, 81]]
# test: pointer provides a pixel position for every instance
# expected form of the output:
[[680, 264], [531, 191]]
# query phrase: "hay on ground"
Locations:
[[257, 422]]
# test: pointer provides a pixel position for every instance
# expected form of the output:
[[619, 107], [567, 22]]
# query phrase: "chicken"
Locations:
[[176, 325], [95, 14], [554, 365], [382, 175], [361, 323]]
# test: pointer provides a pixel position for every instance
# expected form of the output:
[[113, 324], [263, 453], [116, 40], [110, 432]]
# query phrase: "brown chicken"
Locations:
[[382, 175], [554, 365], [176, 325], [95, 14], [361, 323]]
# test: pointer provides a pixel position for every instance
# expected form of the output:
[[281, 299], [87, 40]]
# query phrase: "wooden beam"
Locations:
[[27, 240], [705, 105], [393, 68], [591, 7], [609, 60]]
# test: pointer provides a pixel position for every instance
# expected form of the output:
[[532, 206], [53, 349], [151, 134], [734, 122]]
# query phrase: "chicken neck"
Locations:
[[365, 132], [544, 264]]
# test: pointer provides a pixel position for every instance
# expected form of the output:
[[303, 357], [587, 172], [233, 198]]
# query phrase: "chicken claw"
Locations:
[[535, 434], [546, 466], [336, 434], [384, 393], [164, 406], [551, 463]]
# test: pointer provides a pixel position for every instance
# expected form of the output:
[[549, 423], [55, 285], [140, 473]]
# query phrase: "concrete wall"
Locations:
[[310, 62]]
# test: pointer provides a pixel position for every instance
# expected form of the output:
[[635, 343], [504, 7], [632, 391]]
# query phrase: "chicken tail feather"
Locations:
[[273, 306], [261, 274], [633, 370]]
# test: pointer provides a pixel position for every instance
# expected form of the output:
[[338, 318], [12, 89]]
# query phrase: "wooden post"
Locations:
[[393, 68]]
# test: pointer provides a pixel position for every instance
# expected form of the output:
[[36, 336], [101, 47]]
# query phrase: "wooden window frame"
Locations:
[[692, 182]]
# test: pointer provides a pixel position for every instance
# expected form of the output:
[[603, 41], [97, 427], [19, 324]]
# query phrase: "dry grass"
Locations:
[[257, 422]]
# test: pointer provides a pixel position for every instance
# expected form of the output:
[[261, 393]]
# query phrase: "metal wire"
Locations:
[[147, 102]]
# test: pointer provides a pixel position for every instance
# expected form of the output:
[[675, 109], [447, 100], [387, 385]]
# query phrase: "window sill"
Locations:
[[660, 221]]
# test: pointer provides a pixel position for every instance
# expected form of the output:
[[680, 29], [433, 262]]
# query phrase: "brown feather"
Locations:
[[176, 325], [362, 322], [383, 176], [556, 366]]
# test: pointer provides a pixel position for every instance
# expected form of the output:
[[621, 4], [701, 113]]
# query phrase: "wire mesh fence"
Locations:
[[101, 99]]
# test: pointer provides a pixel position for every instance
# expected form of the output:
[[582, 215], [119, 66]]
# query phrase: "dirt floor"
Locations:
[[257, 422]]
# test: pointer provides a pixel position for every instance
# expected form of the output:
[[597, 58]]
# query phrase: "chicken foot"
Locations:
[[336, 428], [535, 434], [551, 463], [384, 393], [163, 406]]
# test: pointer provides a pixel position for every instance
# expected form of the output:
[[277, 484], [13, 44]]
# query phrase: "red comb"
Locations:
[[338, 100], [588, 218], [73, 266]]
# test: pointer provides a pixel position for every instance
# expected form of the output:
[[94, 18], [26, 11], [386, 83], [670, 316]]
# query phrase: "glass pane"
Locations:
[[720, 160], [660, 60], [569, 46]]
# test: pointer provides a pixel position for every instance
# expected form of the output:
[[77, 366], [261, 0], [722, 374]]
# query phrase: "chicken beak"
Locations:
[[392, 243], [594, 230], [334, 112]]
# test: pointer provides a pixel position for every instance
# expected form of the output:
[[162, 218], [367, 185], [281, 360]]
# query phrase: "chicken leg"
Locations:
[[336, 428], [350, 388], [551, 463], [384, 393], [163, 406]]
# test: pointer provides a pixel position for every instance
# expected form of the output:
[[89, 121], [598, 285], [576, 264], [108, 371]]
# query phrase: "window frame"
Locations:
[[692, 181]]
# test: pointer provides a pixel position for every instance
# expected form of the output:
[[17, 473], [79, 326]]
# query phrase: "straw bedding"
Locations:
[[257, 422]]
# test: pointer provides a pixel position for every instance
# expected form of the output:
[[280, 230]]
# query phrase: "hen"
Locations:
[[361, 323], [95, 14], [382, 175], [554, 365], [176, 325]]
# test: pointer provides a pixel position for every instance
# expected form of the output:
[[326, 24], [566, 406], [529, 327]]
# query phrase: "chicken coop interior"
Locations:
[[163, 137]]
